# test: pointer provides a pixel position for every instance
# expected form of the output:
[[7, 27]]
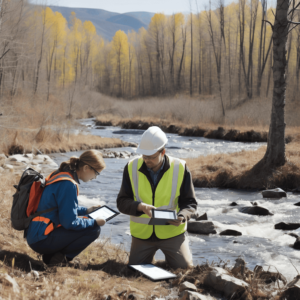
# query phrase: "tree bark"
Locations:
[[275, 154]]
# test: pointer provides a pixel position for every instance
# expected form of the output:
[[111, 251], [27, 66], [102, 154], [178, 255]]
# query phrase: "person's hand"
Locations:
[[100, 222], [179, 221], [92, 208], [146, 209]]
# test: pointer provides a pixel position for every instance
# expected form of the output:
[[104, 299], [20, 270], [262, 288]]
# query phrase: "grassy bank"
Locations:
[[52, 141], [234, 170], [237, 133], [99, 272]]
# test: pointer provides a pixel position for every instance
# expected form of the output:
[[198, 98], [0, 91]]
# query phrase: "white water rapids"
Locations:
[[260, 243]]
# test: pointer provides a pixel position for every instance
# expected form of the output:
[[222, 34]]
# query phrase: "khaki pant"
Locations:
[[176, 250]]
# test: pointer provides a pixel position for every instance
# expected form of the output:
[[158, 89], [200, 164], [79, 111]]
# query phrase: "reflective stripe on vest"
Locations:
[[50, 180], [166, 197]]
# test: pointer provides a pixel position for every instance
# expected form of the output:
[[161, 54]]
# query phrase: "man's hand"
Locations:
[[179, 221], [92, 208], [100, 222], [146, 209]]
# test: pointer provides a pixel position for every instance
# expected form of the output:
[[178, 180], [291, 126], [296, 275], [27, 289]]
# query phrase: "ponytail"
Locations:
[[92, 158]]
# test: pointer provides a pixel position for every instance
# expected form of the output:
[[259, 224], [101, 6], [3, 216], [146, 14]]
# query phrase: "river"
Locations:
[[260, 243]]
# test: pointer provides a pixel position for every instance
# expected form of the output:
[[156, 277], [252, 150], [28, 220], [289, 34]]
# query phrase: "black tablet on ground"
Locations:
[[162, 217], [152, 272], [104, 212]]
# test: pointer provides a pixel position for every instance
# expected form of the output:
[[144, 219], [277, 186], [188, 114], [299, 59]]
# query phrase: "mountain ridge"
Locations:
[[107, 23]]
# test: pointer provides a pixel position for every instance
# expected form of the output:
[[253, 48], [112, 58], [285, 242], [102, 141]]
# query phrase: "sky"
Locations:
[[122, 6], [155, 6]]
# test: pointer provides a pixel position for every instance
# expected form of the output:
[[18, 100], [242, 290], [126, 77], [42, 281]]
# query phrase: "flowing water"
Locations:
[[260, 243]]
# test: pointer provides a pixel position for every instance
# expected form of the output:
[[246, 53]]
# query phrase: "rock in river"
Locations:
[[287, 226], [231, 232], [255, 210], [297, 244], [274, 194], [201, 227], [197, 217]]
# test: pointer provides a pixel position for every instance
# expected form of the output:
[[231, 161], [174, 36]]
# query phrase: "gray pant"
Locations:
[[176, 250]]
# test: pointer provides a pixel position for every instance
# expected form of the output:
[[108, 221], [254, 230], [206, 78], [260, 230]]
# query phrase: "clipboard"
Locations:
[[104, 212], [162, 217], [152, 272]]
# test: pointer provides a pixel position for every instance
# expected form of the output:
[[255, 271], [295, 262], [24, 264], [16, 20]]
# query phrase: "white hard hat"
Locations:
[[153, 139]]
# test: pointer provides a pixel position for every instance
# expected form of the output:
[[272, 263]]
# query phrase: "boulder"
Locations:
[[188, 295], [233, 204], [255, 210], [220, 280], [292, 293], [201, 227], [197, 217], [297, 204], [231, 232], [187, 286], [287, 226], [274, 194], [297, 244]]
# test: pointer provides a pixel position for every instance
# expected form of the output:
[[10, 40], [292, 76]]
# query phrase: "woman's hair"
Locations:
[[92, 158]]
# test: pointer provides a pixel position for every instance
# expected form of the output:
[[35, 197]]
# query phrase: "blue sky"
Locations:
[[122, 6]]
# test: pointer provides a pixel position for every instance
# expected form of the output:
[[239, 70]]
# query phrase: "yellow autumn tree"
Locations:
[[120, 59]]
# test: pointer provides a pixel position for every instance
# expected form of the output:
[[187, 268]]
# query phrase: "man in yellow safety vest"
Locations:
[[156, 180]]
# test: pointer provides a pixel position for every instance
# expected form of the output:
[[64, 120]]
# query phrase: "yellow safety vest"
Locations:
[[166, 197]]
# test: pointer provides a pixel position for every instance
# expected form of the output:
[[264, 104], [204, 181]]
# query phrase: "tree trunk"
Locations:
[[275, 154]]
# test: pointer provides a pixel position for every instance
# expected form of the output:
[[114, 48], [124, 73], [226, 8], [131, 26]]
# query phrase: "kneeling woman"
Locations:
[[61, 234]]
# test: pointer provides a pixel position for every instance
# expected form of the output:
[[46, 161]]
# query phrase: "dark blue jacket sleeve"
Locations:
[[81, 210], [67, 202]]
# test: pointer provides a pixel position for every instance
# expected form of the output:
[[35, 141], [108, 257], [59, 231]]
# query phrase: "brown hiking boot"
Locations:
[[58, 259]]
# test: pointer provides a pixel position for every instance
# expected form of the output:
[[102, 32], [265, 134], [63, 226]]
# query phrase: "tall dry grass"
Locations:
[[206, 111], [235, 170], [31, 124]]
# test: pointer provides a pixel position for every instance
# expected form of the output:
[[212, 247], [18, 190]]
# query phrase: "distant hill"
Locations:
[[108, 23]]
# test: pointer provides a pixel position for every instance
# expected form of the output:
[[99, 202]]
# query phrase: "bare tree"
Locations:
[[275, 154], [217, 48]]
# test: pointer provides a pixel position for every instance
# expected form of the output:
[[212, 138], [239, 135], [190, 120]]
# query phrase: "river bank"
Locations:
[[49, 140], [101, 272], [235, 170], [209, 131]]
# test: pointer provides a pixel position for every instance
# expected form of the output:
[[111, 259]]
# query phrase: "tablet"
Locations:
[[162, 217], [104, 212], [152, 272]]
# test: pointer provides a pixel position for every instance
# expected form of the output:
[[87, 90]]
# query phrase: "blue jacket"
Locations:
[[63, 196]]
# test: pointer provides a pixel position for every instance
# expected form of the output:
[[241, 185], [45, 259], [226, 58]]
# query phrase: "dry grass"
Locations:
[[202, 111], [51, 141], [99, 271], [234, 170]]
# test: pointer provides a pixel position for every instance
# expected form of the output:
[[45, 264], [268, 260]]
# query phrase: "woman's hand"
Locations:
[[92, 208], [100, 222]]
